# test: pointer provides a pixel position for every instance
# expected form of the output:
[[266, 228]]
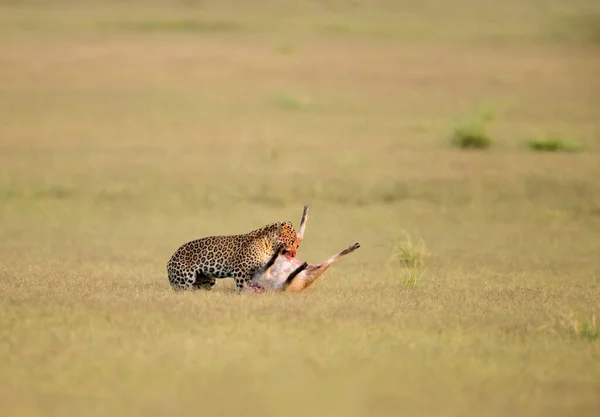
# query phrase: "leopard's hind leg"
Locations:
[[179, 281]]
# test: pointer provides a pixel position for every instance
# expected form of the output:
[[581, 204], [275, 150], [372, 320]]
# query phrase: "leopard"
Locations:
[[199, 263], [286, 273]]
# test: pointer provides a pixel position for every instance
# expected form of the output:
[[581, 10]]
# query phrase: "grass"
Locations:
[[117, 146], [291, 101], [284, 48], [554, 144], [471, 136], [577, 27], [179, 25], [586, 329], [407, 254], [407, 262]]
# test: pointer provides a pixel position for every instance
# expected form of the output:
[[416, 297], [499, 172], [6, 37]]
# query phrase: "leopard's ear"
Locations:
[[275, 231], [287, 226], [284, 228], [277, 227]]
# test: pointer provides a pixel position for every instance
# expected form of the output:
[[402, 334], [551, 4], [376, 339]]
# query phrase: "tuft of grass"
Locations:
[[554, 143], [581, 328], [412, 277], [292, 101], [408, 254], [471, 135], [407, 261]]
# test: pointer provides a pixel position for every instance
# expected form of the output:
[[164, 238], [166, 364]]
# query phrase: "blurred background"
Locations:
[[130, 127], [222, 103]]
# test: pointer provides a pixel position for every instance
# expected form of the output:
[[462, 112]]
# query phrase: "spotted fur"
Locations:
[[197, 264]]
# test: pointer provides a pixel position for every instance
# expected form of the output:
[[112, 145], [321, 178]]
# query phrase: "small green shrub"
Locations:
[[472, 135], [554, 143]]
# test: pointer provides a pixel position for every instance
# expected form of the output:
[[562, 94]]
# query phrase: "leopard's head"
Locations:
[[283, 233], [289, 238]]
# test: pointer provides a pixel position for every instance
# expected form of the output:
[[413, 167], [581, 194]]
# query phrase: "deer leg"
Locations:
[[302, 228], [312, 272], [293, 275]]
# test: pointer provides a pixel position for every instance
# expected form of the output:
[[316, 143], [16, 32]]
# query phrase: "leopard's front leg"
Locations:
[[248, 280]]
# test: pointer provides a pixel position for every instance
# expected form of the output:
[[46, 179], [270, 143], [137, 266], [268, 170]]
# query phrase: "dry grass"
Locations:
[[128, 130]]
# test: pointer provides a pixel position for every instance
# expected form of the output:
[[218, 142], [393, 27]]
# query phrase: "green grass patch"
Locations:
[[471, 135], [554, 143], [292, 101], [582, 328]]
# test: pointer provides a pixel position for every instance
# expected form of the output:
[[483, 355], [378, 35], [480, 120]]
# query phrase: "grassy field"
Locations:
[[127, 129]]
